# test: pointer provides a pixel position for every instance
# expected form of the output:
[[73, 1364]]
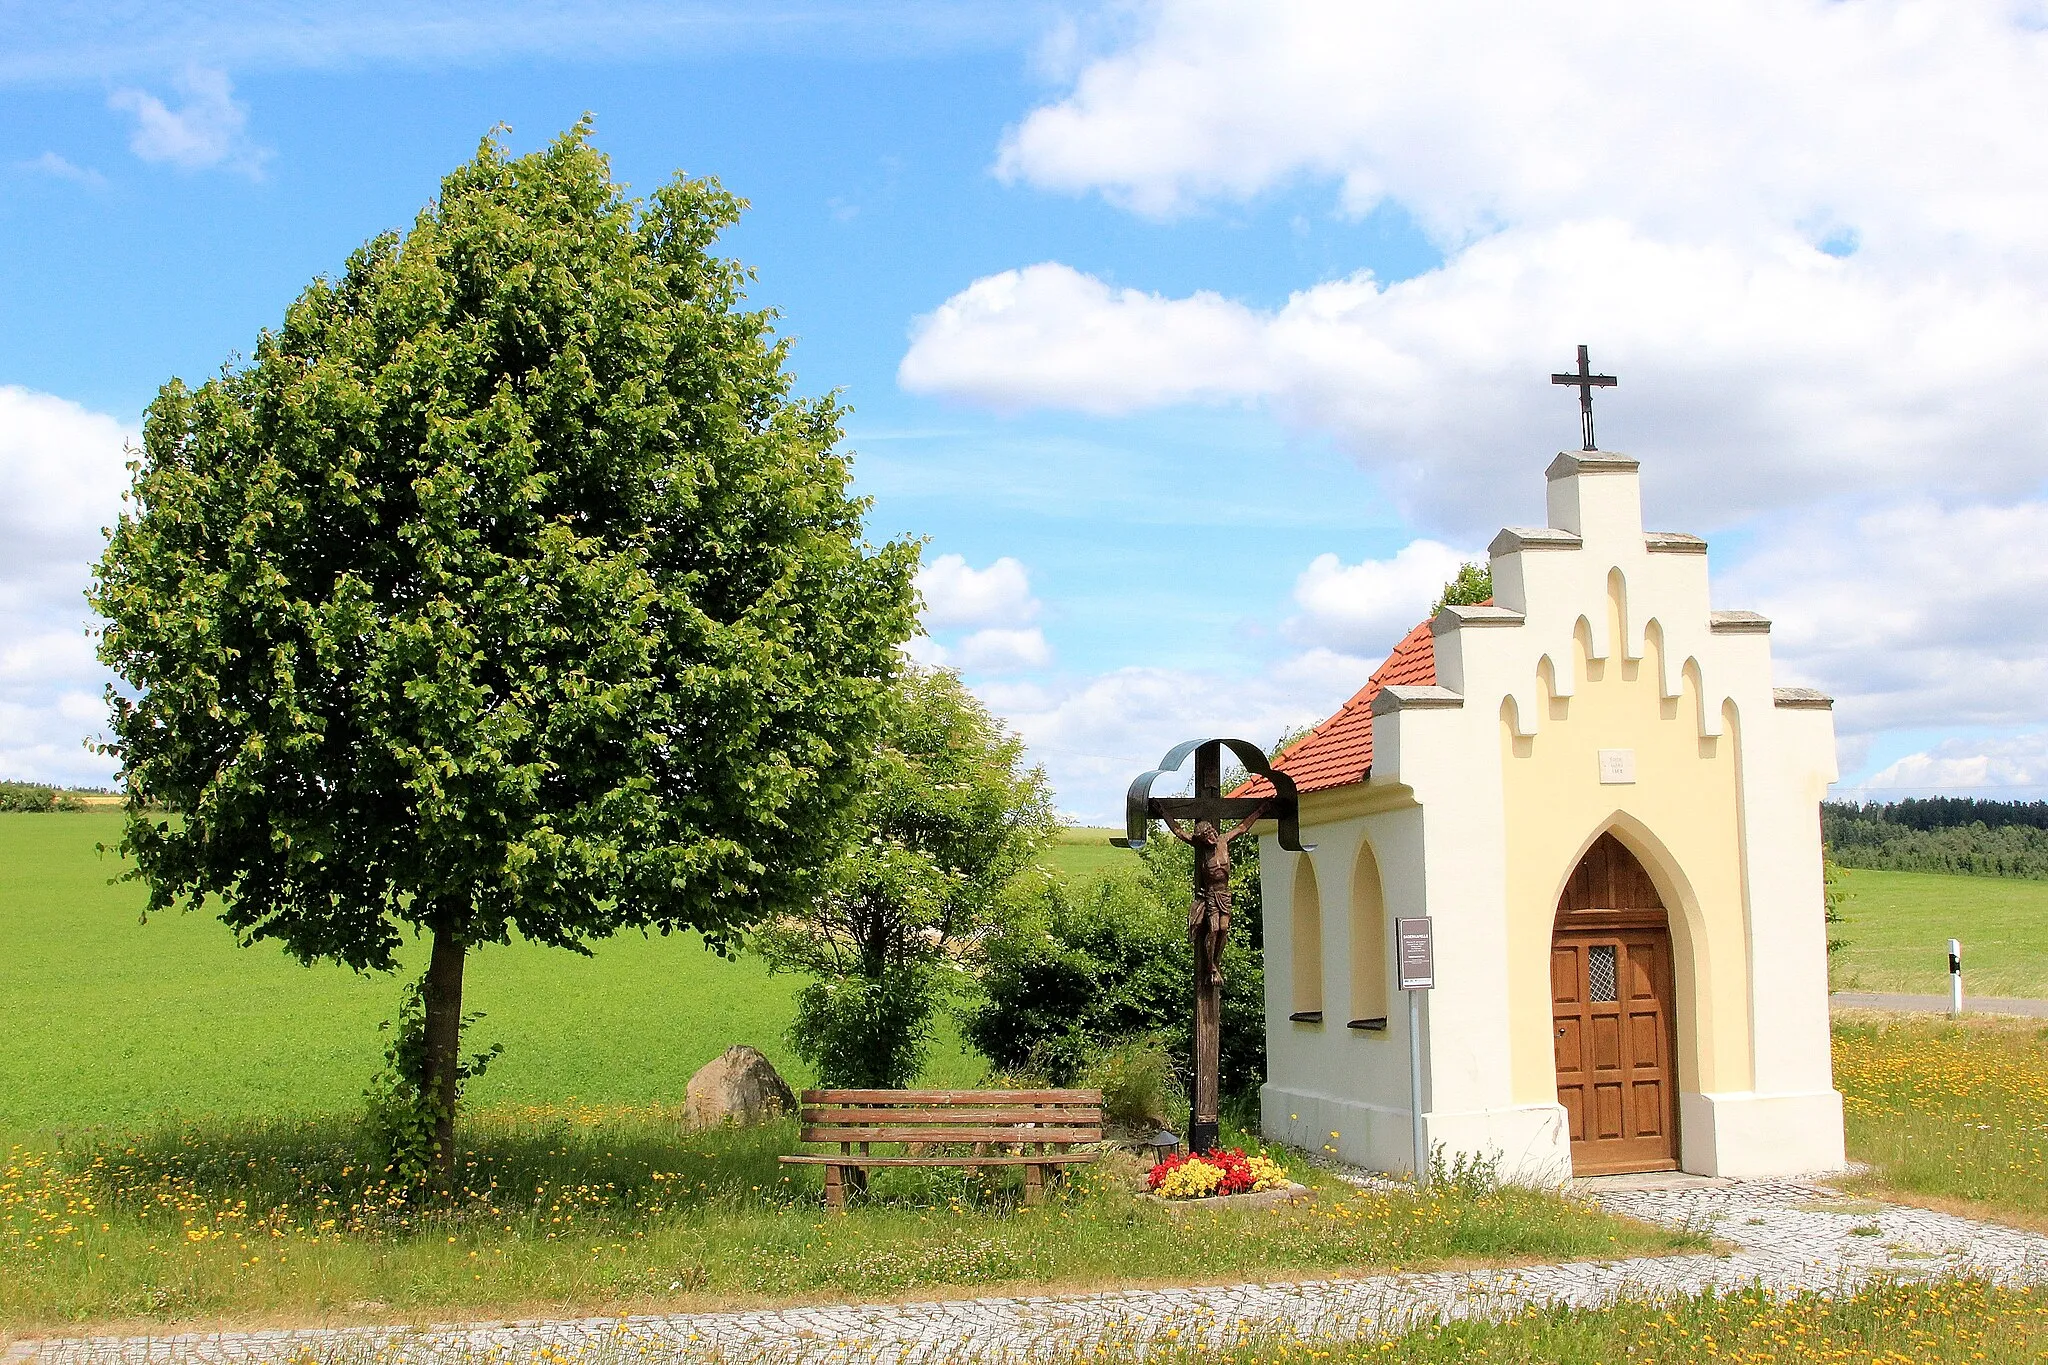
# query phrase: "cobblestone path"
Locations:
[[1788, 1234]]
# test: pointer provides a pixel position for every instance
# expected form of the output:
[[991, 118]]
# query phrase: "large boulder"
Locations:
[[741, 1087]]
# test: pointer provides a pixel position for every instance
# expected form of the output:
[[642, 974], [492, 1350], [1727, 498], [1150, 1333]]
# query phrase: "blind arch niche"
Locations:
[[1305, 942], [1369, 944]]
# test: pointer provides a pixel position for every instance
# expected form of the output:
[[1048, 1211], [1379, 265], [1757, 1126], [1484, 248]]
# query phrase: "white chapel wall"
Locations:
[[1486, 790]]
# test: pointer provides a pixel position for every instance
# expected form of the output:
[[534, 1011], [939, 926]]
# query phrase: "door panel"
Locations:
[[1612, 1014], [1607, 1109]]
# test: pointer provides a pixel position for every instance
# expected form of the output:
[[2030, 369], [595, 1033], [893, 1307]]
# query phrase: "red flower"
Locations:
[[1237, 1173]]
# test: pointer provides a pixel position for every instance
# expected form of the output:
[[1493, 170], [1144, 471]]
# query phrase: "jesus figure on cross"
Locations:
[[1200, 821]]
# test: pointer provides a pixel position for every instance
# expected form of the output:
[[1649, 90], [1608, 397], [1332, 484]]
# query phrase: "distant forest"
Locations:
[[1940, 834]]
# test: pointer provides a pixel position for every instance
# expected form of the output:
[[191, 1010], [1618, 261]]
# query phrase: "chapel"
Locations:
[[1611, 817]]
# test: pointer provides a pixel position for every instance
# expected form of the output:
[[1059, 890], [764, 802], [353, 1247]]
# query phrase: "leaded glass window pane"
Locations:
[[1600, 973]]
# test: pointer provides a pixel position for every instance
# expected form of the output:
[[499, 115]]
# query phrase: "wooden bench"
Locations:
[[1042, 1126]]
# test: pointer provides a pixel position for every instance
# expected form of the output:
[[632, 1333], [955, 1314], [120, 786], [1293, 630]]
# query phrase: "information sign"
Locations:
[[1417, 954]]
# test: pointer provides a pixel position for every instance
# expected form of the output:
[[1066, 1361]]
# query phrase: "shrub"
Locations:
[[403, 1111], [866, 1033], [1140, 1092], [33, 796], [1073, 973]]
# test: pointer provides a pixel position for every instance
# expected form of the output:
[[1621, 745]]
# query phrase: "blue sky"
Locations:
[[1332, 288]]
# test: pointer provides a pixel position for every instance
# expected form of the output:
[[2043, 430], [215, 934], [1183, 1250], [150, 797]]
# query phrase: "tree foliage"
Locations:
[[1856, 839], [1943, 812], [949, 814], [1472, 587], [505, 589]]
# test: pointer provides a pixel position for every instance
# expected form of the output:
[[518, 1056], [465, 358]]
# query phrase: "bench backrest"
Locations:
[[1058, 1117]]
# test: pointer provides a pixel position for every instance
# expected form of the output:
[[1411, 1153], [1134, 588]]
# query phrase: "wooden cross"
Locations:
[[1200, 821], [1586, 381]]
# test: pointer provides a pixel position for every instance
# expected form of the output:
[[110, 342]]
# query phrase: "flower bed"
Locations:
[[1206, 1175]]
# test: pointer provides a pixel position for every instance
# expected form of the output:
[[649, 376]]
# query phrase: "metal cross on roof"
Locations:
[[1586, 381]]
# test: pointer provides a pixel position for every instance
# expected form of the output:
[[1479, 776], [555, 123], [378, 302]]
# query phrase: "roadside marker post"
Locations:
[[1955, 979], [1415, 952]]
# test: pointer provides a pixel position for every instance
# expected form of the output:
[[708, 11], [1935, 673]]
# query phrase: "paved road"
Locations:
[[1790, 1235], [1936, 1004]]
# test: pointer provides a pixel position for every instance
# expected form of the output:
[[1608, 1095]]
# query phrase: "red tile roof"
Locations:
[[1338, 752]]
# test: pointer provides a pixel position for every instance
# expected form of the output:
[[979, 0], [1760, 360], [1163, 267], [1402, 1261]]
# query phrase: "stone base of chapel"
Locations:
[[1747, 1136], [1741, 1136], [1527, 1143]]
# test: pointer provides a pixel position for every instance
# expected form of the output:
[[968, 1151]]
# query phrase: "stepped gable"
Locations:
[[1338, 752]]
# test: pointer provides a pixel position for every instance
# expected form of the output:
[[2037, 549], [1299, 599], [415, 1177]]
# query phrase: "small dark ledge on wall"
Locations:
[[1673, 543], [1738, 623], [1802, 699], [1305, 1017], [1372, 1025]]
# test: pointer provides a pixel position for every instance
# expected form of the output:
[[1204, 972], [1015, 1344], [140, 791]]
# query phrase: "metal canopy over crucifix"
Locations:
[[1586, 381], [1203, 822]]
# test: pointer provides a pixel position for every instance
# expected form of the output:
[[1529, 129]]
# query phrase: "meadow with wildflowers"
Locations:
[[583, 1210], [1943, 1323], [1954, 1115], [178, 1143]]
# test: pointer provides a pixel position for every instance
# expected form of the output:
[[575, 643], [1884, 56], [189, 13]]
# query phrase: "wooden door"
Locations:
[[1613, 1018]]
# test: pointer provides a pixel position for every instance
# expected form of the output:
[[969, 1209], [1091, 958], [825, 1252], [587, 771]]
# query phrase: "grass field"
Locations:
[[110, 1021], [1898, 924], [1083, 851]]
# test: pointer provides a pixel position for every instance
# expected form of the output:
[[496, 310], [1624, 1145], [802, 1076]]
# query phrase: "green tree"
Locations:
[[1472, 587], [507, 589], [950, 815]]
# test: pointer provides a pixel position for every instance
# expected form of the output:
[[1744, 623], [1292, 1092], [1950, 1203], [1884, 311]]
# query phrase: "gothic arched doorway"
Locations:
[[1614, 1016]]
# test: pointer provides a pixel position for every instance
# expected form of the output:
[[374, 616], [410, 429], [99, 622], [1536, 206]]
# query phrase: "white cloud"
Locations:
[[61, 168], [1747, 378], [1911, 118], [994, 606], [1364, 608], [1094, 735], [997, 650], [209, 129], [1910, 613], [1996, 769], [1805, 235], [1659, 181], [59, 40], [1048, 335], [64, 469], [957, 594]]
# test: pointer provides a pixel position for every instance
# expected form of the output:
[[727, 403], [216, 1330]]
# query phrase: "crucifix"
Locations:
[[1204, 823], [1586, 381]]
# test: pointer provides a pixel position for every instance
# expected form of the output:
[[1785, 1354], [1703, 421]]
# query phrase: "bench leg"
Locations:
[[835, 1190], [1034, 1186]]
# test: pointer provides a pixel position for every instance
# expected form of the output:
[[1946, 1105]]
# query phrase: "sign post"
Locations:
[[1955, 979], [1415, 952]]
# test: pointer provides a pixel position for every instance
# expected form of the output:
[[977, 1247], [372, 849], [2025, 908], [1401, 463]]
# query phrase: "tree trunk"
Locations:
[[442, 1083]]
